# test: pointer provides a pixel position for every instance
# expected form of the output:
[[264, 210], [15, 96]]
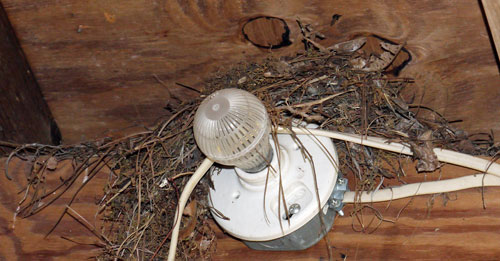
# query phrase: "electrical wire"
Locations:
[[422, 188], [448, 156], [195, 178]]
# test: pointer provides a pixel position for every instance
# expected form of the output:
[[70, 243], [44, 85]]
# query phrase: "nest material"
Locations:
[[343, 88]]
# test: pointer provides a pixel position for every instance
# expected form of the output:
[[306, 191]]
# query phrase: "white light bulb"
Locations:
[[232, 127]]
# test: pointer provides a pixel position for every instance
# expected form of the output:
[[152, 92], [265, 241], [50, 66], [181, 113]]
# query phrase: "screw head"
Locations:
[[294, 209], [334, 203]]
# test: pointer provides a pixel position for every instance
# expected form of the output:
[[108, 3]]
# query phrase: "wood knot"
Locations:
[[267, 32]]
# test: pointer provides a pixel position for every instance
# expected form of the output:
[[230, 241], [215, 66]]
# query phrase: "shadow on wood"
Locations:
[[24, 114]]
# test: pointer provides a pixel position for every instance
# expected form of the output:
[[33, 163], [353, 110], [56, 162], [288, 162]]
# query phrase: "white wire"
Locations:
[[423, 188], [197, 175], [448, 156]]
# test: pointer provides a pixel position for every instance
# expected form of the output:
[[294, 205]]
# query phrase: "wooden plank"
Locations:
[[24, 114], [441, 227], [492, 10], [96, 61], [24, 239]]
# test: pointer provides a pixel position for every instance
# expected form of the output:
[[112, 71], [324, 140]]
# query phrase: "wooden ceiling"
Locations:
[[97, 61]]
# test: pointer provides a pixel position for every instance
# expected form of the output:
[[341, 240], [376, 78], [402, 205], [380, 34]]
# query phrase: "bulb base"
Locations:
[[266, 161]]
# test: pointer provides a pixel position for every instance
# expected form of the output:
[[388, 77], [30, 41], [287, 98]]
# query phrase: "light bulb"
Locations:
[[232, 127]]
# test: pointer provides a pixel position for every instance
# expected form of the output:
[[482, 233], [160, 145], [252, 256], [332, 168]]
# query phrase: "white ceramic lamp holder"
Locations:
[[232, 128]]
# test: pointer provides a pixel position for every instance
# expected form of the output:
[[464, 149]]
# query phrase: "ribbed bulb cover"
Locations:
[[232, 127]]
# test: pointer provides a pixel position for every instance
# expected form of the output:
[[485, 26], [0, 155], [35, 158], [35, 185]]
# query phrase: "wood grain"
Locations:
[[24, 239], [453, 226], [96, 60], [24, 114]]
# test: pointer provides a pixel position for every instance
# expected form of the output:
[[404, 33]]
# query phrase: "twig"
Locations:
[[114, 196], [320, 101], [181, 174], [88, 225]]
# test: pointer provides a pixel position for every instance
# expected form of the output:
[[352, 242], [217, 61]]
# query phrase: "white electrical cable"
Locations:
[[197, 175], [423, 188], [448, 156]]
